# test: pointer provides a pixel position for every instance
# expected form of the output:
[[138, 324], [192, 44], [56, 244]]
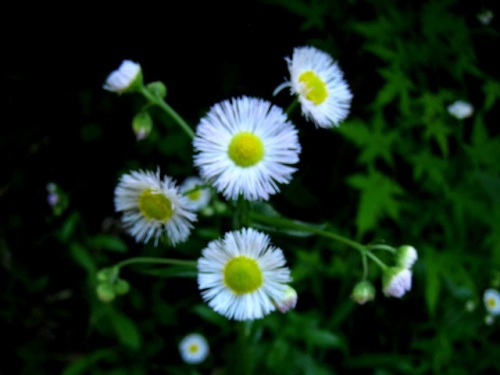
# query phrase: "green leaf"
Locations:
[[126, 330], [324, 339], [69, 226], [379, 198], [432, 280], [83, 258], [108, 242], [83, 365]]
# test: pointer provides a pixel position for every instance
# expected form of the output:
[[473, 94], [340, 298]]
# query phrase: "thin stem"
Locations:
[[169, 110], [307, 228], [364, 260], [376, 260], [243, 333], [292, 106], [152, 260], [382, 247]]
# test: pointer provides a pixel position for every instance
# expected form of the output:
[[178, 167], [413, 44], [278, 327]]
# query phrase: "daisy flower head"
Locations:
[[127, 78], [153, 206], [319, 82], [198, 196], [491, 299], [246, 146], [193, 348], [242, 276], [460, 109]]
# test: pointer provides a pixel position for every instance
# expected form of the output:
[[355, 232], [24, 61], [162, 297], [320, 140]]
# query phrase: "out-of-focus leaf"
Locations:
[[126, 330], [83, 258], [108, 242]]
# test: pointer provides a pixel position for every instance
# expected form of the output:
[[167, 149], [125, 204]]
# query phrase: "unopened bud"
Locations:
[[406, 256], [288, 301], [105, 292], [157, 88], [363, 292], [142, 124]]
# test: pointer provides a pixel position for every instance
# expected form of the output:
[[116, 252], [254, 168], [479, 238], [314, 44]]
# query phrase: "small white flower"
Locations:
[[198, 198], [489, 319], [193, 348], [406, 256], [491, 299], [246, 146], [125, 79], [319, 82], [242, 276], [396, 281], [461, 109], [152, 206], [485, 17]]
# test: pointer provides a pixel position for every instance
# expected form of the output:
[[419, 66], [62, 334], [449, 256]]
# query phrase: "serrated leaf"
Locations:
[[379, 198]]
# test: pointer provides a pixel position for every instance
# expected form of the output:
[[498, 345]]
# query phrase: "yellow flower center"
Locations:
[[491, 302], [246, 149], [194, 195], [193, 348], [155, 206], [242, 275], [314, 87]]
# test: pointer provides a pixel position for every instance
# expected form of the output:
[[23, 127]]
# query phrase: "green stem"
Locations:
[[382, 247], [376, 260], [290, 224], [169, 110], [152, 260], [364, 260], [243, 333], [292, 106]]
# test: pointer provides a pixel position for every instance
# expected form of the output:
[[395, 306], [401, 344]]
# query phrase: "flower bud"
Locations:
[[396, 281], [121, 287], [363, 292], [406, 256], [158, 89], [105, 292], [288, 301], [142, 124]]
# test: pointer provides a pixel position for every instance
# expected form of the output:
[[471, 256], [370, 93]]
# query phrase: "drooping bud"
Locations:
[[406, 256], [363, 292], [142, 124], [396, 281]]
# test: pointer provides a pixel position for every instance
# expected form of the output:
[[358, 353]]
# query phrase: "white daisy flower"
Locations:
[[396, 281], [126, 78], [491, 299], [152, 206], [319, 82], [460, 109], [242, 276], [193, 348], [198, 198], [246, 146]]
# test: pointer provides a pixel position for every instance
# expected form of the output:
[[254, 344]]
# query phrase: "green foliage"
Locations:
[[400, 170]]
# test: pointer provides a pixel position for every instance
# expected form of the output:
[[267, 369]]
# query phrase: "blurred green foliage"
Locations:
[[400, 170]]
